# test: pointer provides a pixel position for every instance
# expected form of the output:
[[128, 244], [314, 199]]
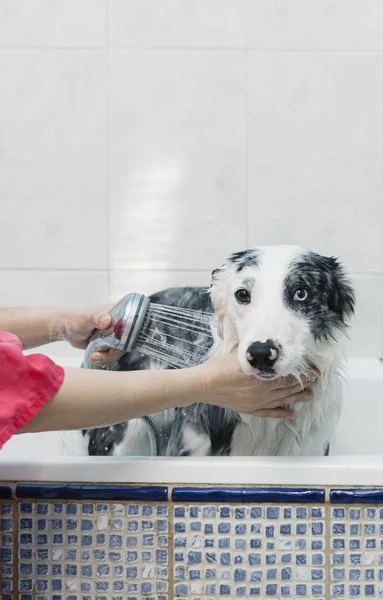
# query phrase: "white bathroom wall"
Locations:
[[141, 141]]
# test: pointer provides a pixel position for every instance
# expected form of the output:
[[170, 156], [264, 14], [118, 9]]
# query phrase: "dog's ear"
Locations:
[[218, 294], [342, 299]]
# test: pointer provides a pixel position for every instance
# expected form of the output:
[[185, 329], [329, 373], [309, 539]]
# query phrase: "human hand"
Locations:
[[105, 356], [225, 384], [77, 325]]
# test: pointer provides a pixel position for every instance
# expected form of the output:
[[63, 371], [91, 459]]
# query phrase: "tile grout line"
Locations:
[[328, 544], [247, 211], [15, 541], [247, 195], [356, 272], [108, 139], [171, 592], [238, 48]]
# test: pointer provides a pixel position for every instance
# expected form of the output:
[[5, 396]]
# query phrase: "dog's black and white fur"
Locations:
[[285, 310]]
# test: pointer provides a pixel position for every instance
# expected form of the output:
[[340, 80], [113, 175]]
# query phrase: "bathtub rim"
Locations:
[[331, 470]]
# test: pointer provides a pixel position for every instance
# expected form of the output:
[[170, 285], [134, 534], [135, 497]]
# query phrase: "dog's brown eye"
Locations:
[[301, 295], [243, 296]]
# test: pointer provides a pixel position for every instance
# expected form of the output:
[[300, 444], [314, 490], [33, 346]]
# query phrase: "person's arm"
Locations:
[[39, 326], [92, 398]]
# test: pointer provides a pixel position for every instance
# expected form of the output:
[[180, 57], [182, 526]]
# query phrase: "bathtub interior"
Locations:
[[358, 431]]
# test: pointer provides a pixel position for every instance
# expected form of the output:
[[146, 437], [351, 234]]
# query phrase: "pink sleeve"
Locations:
[[27, 383]]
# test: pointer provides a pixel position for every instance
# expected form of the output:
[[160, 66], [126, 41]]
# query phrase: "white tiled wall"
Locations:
[[141, 141]]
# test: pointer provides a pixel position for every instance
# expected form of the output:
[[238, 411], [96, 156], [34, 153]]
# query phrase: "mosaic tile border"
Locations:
[[92, 492], [5, 492], [178, 494], [272, 495], [356, 496], [155, 493]]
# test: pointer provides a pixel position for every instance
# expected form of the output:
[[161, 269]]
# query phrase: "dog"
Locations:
[[284, 310]]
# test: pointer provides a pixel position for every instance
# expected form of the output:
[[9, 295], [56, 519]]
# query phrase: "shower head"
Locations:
[[173, 335], [128, 322]]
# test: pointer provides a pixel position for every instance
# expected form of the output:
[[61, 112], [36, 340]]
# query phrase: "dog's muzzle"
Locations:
[[262, 355]]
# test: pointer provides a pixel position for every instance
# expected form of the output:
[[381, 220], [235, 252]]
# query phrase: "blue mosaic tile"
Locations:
[[248, 551], [357, 496], [249, 495], [5, 492], [63, 566], [92, 492], [356, 536]]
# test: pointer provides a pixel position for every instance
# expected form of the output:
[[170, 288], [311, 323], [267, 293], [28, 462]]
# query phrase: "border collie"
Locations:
[[284, 310]]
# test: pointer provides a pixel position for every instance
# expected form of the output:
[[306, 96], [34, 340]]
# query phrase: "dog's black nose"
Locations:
[[262, 354]]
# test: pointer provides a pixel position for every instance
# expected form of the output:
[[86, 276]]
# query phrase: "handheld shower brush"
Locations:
[[179, 337]]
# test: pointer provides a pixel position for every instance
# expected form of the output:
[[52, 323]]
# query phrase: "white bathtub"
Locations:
[[354, 458], [199, 529]]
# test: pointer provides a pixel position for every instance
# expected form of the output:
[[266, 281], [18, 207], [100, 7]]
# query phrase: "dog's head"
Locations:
[[282, 306]]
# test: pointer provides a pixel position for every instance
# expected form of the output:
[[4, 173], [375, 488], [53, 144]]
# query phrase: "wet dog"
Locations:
[[284, 310]]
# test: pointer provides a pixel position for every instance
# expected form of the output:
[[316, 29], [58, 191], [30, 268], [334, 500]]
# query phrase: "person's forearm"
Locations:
[[34, 326], [92, 398]]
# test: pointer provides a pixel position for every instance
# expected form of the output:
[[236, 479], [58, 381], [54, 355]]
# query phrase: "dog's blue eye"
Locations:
[[301, 295], [242, 296]]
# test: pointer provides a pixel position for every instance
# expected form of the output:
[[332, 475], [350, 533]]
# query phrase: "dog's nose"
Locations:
[[262, 354]]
